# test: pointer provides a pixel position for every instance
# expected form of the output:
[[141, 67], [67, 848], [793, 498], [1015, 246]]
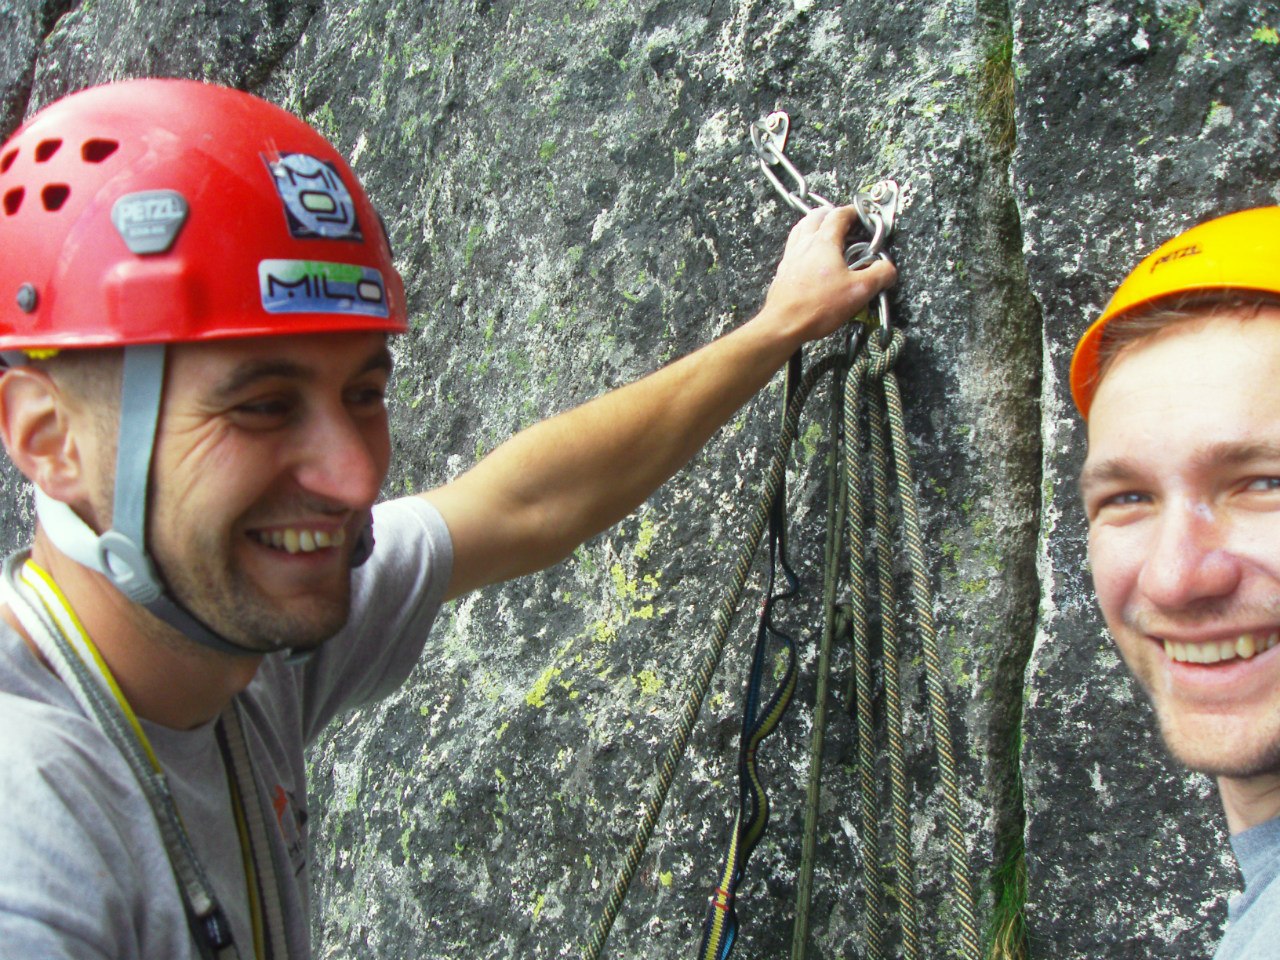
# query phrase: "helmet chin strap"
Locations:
[[120, 554]]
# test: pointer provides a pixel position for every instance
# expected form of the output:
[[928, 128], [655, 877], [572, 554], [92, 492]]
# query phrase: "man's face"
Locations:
[[270, 452], [1182, 491]]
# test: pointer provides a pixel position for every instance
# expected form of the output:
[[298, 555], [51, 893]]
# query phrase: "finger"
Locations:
[[867, 283], [807, 226], [836, 226]]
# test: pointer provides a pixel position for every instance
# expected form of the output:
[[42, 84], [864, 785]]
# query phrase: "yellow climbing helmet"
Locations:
[[1240, 251]]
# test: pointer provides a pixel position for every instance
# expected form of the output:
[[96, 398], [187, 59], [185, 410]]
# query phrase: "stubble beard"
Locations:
[[1217, 752], [1212, 746], [226, 599], [255, 622]]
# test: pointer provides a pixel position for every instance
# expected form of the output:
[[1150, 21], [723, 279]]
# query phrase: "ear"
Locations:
[[36, 425]]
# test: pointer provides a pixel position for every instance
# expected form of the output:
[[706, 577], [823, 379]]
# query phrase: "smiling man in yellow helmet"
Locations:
[[1179, 380], [195, 301]]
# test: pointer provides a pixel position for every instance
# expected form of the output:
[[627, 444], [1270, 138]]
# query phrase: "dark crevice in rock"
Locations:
[[294, 19], [41, 24], [52, 12], [14, 107], [239, 45], [1012, 325]]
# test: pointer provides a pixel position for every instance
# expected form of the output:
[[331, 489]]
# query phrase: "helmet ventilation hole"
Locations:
[[95, 151], [13, 200], [54, 196], [7, 160], [46, 149]]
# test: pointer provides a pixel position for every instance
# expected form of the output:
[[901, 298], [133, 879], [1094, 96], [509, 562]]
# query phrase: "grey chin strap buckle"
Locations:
[[128, 567]]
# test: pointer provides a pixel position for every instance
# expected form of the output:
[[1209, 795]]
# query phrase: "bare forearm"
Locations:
[[535, 498], [584, 470]]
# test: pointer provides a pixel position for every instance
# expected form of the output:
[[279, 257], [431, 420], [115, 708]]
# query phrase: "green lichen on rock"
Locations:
[[572, 200]]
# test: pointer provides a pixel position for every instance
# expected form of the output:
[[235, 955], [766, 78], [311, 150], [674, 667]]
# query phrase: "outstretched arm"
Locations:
[[531, 501]]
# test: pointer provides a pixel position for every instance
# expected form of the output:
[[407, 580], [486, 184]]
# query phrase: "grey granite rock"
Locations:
[[575, 179], [570, 194]]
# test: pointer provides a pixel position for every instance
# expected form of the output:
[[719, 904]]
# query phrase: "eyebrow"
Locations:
[[1228, 453], [1108, 471], [251, 371]]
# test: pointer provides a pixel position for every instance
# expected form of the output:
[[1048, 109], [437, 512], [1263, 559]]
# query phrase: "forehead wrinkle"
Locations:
[[251, 371]]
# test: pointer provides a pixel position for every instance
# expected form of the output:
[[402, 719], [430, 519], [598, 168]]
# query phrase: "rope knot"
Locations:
[[883, 358]]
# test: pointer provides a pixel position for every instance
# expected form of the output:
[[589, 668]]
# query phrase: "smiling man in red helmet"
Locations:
[[1179, 381], [195, 300]]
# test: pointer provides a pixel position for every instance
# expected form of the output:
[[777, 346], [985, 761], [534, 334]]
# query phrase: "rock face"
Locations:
[[571, 196], [1176, 110]]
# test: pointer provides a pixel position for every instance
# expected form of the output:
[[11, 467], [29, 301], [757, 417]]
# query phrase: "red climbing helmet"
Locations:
[[154, 211], [150, 212]]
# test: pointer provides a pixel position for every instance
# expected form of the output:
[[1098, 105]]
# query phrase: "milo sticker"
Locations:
[[312, 286], [316, 201]]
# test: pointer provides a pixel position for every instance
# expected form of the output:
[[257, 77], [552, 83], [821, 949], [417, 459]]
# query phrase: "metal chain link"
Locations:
[[877, 208], [877, 205]]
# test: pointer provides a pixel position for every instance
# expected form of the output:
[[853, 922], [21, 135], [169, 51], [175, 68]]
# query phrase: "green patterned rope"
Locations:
[[862, 695], [904, 865], [923, 600], [661, 783]]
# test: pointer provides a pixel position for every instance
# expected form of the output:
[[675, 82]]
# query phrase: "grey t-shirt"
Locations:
[[83, 871], [1253, 917]]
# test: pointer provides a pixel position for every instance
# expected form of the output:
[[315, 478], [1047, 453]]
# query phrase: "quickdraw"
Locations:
[[867, 363], [752, 816], [877, 209]]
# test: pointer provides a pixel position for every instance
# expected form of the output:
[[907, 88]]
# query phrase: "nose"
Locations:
[[1190, 559], [343, 457]]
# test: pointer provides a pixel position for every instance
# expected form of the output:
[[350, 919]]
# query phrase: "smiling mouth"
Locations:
[[1244, 647], [299, 540]]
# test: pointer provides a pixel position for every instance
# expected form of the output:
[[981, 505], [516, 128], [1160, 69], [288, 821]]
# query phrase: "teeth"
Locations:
[[1244, 647], [294, 540]]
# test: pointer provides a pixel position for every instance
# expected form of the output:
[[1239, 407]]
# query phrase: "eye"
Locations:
[[367, 395], [264, 412], [264, 407], [1118, 507], [1126, 499], [1263, 484]]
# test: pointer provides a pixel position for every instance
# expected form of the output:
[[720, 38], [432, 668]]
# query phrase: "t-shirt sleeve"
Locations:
[[395, 598]]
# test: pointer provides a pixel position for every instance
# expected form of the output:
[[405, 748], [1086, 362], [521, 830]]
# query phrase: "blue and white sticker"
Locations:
[[313, 286], [316, 201]]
